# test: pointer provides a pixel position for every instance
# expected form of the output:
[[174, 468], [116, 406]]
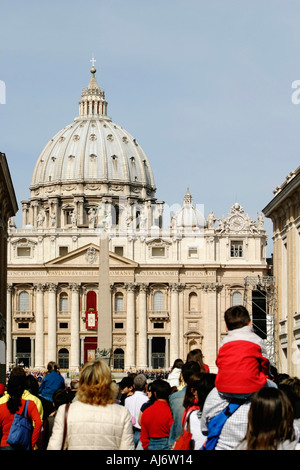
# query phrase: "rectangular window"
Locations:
[[23, 325], [236, 249], [63, 250], [119, 303], [158, 251], [63, 303], [158, 325], [69, 217], [23, 251], [119, 250], [63, 325], [119, 325], [193, 253]]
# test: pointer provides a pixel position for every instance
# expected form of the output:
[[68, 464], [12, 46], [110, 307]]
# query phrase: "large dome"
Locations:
[[93, 149]]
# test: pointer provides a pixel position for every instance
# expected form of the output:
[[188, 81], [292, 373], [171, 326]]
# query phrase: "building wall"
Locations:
[[8, 208], [196, 275], [284, 210]]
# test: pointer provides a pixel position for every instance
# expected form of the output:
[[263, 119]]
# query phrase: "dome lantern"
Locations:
[[93, 102]]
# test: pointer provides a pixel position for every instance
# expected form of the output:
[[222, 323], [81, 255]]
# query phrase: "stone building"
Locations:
[[8, 208], [284, 210], [171, 271]]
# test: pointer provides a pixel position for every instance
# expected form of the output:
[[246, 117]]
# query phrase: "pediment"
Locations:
[[88, 255]]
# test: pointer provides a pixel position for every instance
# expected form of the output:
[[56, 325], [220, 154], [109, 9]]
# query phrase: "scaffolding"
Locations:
[[266, 286]]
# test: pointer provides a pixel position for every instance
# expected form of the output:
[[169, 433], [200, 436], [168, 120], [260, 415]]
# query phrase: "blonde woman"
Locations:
[[94, 420]]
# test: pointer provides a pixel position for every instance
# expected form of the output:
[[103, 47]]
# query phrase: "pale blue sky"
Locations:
[[204, 86]]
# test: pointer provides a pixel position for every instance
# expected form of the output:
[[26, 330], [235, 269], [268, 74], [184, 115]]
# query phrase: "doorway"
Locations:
[[158, 359]]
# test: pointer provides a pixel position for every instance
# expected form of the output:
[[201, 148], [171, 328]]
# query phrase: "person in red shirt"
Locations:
[[15, 404], [157, 419], [243, 365]]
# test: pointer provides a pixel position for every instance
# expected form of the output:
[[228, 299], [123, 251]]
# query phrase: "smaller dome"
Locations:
[[188, 217]]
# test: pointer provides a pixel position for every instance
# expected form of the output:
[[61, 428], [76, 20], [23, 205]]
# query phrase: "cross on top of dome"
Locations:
[[93, 60]]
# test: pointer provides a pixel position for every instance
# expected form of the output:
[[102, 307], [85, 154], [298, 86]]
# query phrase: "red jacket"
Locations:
[[242, 363], [6, 419], [156, 422]]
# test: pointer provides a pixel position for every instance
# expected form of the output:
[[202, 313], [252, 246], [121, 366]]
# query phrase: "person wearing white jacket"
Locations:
[[94, 420], [174, 375]]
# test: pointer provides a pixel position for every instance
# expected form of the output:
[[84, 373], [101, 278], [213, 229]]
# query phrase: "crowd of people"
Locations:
[[246, 405]]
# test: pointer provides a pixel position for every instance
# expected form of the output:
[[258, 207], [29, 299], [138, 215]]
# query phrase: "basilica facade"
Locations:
[[171, 271]]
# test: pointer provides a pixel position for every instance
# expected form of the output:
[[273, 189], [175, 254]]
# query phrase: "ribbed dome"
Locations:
[[93, 149], [188, 216]]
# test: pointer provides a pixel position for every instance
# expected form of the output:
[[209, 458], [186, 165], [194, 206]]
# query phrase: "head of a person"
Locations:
[[139, 382], [32, 385], [15, 388], [197, 356], [188, 369], [178, 363], [293, 382], [236, 317], [18, 370], [150, 391], [202, 387], [270, 419], [60, 397], [52, 366], [74, 384], [95, 384], [126, 384], [161, 389], [189, 398]]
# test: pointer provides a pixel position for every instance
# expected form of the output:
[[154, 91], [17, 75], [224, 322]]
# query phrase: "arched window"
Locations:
[[91, 300], [236, 298], [193, 302], [63, 302], [118, 358], [24, 301], [119, 304], [158, 301], [63, 358]]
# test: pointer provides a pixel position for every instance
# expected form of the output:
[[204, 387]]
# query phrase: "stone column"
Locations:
[[38, 360], [75, 341], [14, 342], [79, 207], [181, 323], [174, 334], [211, 324], [25, 206], [9, 351], [81, 350], [52, 353], [32, 348], [150, 351], [142, 355], [130, 327]]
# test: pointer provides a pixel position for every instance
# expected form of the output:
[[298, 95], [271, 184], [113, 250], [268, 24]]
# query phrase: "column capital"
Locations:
[[74, 286], [52, 286], [143, 287], [130, 286], [176, 287], [39, 287], [212, 287]]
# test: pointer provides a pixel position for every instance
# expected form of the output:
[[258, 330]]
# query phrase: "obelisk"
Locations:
[[104, 299]]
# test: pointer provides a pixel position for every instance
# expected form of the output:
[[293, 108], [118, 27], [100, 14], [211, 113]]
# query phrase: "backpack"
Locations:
[[215, 426], [20, 432]]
